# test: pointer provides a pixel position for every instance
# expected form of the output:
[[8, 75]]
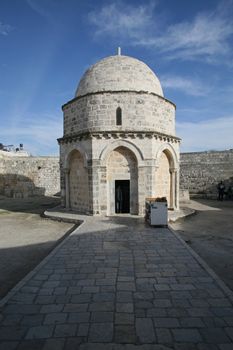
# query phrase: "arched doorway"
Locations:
[[122, 179], [164, 185], [78, 183]]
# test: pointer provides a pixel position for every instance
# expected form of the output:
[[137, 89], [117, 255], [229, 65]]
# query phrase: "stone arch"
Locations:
[[171, 154], [165, 177], [121, 143], [122, 171], [69, 154], [77, 184]]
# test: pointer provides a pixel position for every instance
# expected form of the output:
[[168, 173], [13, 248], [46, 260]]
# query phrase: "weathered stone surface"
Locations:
[[145, 330], [187, 335], [200, 172], [29, 176], [97, 149], [116, 73], [101, 332], [65, 330], [40, 332]]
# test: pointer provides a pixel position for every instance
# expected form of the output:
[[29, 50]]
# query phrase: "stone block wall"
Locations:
[[79, 184], [140, 112], [22, 177], [162, 178], [30, 176], [200, 172], [138, 162]]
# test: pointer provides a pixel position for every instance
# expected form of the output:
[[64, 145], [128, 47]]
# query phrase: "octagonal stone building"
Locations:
[[119, 144]]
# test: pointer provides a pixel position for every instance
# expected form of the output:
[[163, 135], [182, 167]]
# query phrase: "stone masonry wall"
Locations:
[[162, 178], [78, 182], [29, 176], [97, 149], [140, 112], [200, 172]]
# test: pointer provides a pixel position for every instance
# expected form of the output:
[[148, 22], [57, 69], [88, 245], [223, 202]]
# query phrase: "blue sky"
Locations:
[[46, 45]]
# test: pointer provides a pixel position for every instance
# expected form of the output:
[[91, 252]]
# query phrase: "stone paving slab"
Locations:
[[116, 283]]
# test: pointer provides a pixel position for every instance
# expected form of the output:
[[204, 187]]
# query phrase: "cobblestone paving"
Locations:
[[118, 284]]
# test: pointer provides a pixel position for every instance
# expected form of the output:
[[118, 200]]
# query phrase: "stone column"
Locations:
[[141, 190], [95, 190], [173, 188], [103, 191], [177, 189], [172, 192], [150, 175], [67, 188]]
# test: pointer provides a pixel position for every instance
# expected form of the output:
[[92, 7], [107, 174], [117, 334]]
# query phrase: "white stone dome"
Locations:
[[119, 73]]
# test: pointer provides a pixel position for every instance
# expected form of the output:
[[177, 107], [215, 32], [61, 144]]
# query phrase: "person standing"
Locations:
[[221, 190]]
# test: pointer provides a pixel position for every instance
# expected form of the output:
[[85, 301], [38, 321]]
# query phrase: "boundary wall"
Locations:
[[200, 172], [22, 177]]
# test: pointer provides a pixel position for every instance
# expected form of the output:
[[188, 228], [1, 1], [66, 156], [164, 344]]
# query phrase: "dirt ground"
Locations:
[[25, 237], [210, 233]]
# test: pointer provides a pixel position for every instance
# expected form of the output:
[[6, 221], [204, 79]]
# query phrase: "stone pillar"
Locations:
[[177, 189], [91, 186], [146, 183], [63, 187], [141, 190], [172, 189], [96, 188], [150, 173], [103, 198], [67, 188]]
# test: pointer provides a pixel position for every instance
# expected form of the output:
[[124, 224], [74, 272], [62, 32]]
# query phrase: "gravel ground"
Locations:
[[210, 234], [25, 237]]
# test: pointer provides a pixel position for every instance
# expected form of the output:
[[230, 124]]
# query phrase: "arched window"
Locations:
[[118, 116]]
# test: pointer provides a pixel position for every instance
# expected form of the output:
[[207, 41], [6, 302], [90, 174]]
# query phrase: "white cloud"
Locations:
[[121, 20], [39, 133], [206, 36], [5, 29], [212, 134], [189, 86]]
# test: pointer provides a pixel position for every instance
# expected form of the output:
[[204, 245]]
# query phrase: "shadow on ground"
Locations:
[[23, 260], [210, 234], [35, 205], [25, 237]]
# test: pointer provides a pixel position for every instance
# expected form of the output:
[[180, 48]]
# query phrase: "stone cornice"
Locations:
[[118, 135], [115, 92]]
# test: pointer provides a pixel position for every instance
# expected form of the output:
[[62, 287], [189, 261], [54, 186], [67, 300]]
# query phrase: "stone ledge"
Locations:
[[117, 135], [59, 213], [116, 92], [179, 214]]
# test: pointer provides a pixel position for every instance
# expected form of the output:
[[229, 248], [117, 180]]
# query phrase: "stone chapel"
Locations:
[[119, 143]]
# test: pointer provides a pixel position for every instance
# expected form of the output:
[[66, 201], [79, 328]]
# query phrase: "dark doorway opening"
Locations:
[[122, 194]]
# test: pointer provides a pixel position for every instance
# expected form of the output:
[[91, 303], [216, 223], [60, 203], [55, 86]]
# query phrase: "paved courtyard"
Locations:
[[210, 234], [118, 284]]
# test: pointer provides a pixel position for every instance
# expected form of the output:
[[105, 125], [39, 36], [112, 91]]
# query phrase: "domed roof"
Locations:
[[119, 73]]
